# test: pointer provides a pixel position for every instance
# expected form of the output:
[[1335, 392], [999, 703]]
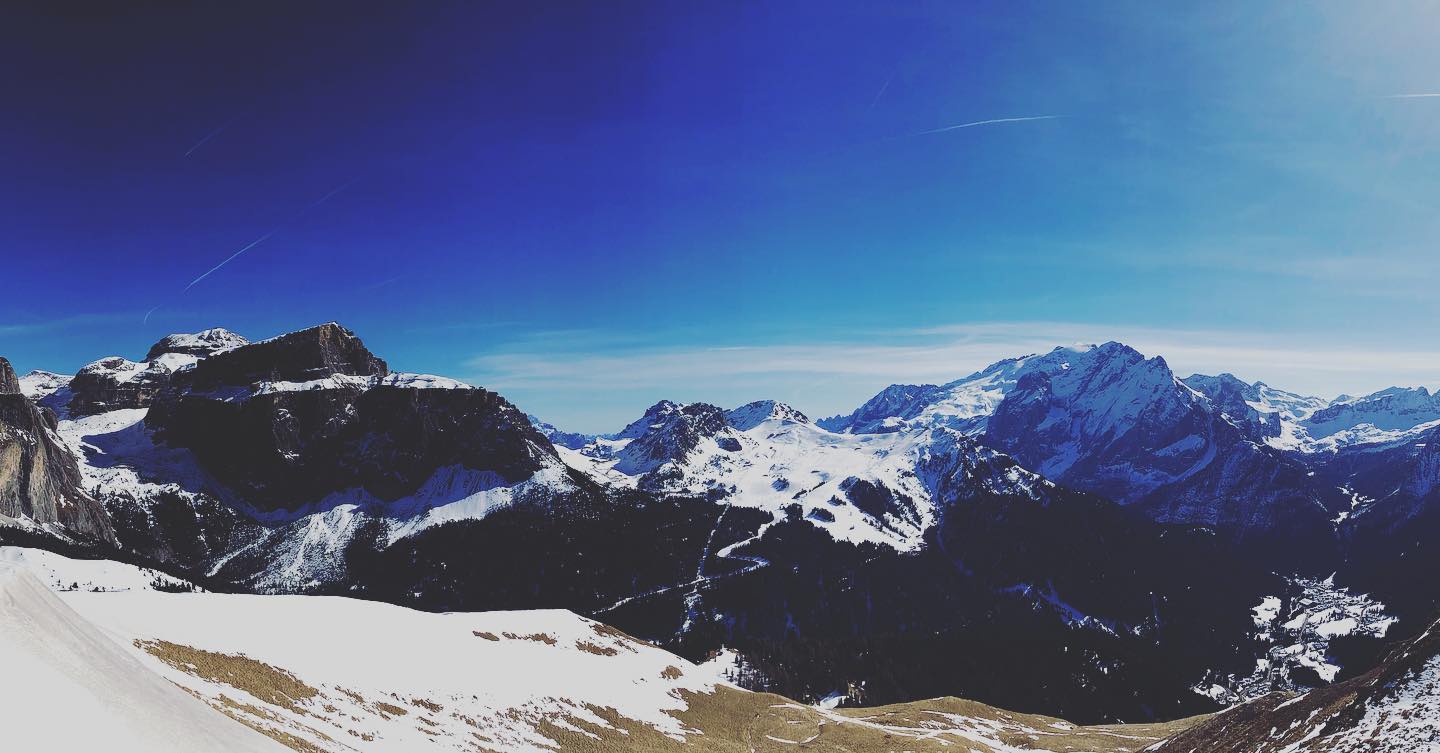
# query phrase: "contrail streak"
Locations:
[[146, 320], [329, 196], [1412, 96], [278, 228], [991, 121], [231, 257], [880, 93], [201, 142]]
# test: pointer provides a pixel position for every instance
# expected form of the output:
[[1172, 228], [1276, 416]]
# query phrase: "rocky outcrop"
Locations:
[[309, 354], [1236, 399], [116, 383], [9, 383], [39, 479], [287, 421]]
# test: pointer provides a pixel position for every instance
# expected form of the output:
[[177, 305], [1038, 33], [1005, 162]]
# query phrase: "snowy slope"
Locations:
[[441, 682], [328, 674], [60, 573], [966, 403], [70, 687]]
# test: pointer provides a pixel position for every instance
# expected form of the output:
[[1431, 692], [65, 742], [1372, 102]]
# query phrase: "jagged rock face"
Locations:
[[115, 383], [39, 479], [9, 383], [1233, 397], [302, 356], [884, 412], [200, 344], [1116, 421], [1425, 478], [667, 432], [289, 448]]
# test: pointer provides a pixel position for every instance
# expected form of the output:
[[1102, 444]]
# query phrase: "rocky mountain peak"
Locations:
[[668, 431], [750, 415], [653, 416], [308, 354], [201, 344]]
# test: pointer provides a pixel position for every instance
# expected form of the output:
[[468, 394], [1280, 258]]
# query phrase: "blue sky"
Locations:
[[591, 208]]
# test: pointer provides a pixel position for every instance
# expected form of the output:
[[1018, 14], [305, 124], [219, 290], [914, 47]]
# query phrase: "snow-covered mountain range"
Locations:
[[1087, 496]]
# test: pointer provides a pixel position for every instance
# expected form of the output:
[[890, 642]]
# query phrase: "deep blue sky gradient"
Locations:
[[582, 204]]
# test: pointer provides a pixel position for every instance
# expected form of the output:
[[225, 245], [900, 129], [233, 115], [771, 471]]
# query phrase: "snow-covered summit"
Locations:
[[967, 403], [115, 383], [38, 384], [750, 415], [203, 343], [1392, 409]]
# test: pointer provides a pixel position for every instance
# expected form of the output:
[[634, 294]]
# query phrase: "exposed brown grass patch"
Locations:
[[544, 638], [390, 709], [485, 634], [269, 684], [627, 640], [427, 704], [595, 648], [735, 721], [671, 673]]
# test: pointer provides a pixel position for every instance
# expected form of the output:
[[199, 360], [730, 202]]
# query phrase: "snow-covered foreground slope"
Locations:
[[335, 674], [62, 573], [372, 676], [69, 687]]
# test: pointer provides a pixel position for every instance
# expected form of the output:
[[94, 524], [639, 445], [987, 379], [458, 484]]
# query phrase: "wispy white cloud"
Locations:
[[833, 377], [42, 326]]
